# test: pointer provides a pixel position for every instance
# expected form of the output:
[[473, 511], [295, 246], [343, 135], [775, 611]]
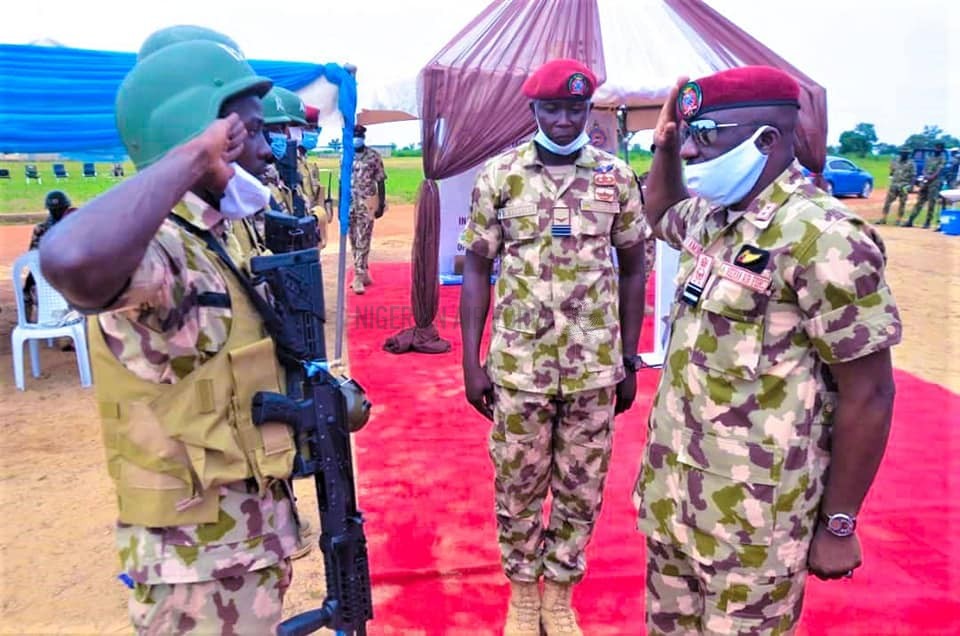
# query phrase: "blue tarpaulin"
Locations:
[[60, 100]]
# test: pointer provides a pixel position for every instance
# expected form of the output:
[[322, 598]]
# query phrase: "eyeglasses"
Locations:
[[703, 131]]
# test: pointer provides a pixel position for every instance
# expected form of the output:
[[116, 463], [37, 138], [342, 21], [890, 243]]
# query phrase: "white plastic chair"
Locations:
[[54, 320]]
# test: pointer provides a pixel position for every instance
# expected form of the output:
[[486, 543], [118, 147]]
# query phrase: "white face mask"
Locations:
[[567, 149], [244, 196], [296, 134], [726, 179]]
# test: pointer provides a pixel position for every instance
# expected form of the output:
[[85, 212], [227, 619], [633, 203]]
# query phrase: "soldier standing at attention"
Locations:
[[566, 322], [367, 204], [930, 191], [774, 406], [902, 173], [206, 520]]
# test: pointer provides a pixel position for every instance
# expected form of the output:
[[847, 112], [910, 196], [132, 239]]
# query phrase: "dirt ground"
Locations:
[[57, 563]]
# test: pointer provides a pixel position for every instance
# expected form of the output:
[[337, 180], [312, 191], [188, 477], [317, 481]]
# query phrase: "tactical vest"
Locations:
[[171, 446]]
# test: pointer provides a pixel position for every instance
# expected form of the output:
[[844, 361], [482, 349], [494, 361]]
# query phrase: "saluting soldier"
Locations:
[[776, 397], [206, 519]]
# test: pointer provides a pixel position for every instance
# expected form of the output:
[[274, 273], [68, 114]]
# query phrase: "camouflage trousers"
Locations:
[[361, 233], [894, 193], [688, 597], [542, 443], [929, 195], [251, 603]]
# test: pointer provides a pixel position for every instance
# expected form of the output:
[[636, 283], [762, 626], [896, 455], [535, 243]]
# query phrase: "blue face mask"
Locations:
[[309, 141], [358, 142], [278, 145]]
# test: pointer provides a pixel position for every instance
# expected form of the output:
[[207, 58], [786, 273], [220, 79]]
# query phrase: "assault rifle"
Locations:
[[322, 410]]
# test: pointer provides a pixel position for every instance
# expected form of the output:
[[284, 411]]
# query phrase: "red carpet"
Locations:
[[426, 488]]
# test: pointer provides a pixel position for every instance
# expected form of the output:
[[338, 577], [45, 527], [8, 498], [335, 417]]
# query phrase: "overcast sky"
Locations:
[[888, 62]]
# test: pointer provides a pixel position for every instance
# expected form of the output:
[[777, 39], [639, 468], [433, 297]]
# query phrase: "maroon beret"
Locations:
[[561, 79], [743, 87]]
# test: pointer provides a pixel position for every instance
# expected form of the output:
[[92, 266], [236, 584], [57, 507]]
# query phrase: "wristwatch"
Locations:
[[631, 363], [839, 524]]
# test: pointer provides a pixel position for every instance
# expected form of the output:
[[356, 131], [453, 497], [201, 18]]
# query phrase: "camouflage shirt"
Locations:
[[933, 164], [161, 332], [42, 228], [38, 231], [556, 323], [308, 184], [902, 173], [739, 434], [367, 172]]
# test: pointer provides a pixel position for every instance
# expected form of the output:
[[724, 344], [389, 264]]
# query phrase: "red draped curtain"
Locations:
[[736, 47], [471, 107]]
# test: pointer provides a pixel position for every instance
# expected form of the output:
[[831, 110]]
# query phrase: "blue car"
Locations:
[[845, 178]]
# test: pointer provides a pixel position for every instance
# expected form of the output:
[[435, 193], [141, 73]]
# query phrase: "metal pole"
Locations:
[[343, 207], [341, 293]]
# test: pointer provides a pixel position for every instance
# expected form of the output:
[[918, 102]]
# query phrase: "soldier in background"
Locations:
[[930, 190], [902, 173], [58, 206], [368, 202], [562, 354], [778, 366]]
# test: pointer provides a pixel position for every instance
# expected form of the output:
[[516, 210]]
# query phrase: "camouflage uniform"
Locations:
[[313, 198], [739, 435], [227, 576], [555, 350], [902, 174], [367, 173], [931, 190]]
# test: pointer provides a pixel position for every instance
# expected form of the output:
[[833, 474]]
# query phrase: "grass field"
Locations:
[[404, 175]]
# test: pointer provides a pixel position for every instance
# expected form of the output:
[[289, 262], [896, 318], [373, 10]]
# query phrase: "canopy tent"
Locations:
[[60, 100], [472, 108]]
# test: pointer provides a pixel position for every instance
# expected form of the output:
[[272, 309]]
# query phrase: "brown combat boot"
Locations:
[[523, 613], [357, 286], [367, 280], [557, 613]]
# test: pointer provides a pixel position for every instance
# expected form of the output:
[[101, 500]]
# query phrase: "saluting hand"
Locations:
[[665, 132], [220, 145]]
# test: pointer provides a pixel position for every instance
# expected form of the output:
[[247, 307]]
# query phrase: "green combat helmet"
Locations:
[[293, 105], [274, 110], [176, 92], [183, 33]]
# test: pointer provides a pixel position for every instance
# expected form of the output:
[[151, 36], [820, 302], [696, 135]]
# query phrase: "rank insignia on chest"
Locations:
[[605, 193], [752, 258], [560, 224], [697, 280], [604, 179]]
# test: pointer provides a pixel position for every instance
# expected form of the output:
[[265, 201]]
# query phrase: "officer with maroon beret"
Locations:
[[776, 397], [564, 333]]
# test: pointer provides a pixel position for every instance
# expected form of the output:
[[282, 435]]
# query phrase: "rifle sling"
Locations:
[[271, 320]]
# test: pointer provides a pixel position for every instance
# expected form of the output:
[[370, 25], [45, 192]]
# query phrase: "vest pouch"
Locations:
[[156, 485], [269, 447], [198, 412]]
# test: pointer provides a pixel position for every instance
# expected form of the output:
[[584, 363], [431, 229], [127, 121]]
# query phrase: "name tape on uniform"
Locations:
[[745, 277]]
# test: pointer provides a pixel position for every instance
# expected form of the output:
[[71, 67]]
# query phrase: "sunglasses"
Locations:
[[703, 131]]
